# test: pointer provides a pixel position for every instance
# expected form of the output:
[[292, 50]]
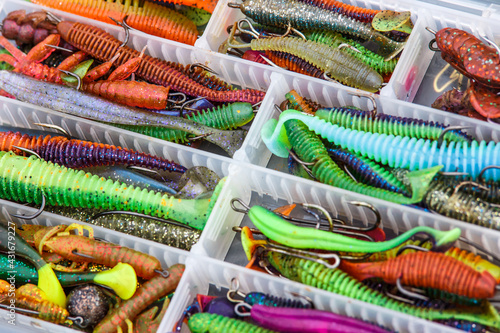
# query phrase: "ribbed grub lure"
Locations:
[[71, 101], [74, 153], [310, 149], [286, 233], [404, 152], [419, 270], [336, 281], [27, 179], [303, 16], [213, 323]]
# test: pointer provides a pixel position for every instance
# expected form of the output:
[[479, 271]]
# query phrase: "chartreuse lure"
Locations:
[[28, 179], [286, 233], [394, 151], [121, 278], [10, 241]]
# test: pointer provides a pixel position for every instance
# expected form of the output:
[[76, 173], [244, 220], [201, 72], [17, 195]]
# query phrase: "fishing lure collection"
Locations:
[[398, 159]]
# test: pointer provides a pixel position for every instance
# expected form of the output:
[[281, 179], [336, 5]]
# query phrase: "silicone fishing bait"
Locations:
[[387, 124], [429, 270], [149, 18], [258, 298], [470, 56], [27, 179], [25, 28], [213, 323], [310, 149], [103, 46], [31, 297], [308, 321], [370, 172], [335, 40], [74, 153], [358, 13], [407, 153], [150, 291], [286, 233], [336, 281], [300, 103], [47, 280], [303, 16], [336, 64], [71, 101], [208, 5], [294, 63], [121, 278]]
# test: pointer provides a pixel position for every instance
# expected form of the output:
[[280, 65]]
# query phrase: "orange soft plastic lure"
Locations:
[[208, 5]]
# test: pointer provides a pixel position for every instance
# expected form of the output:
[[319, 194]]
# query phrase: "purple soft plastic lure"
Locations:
[[80, 154]]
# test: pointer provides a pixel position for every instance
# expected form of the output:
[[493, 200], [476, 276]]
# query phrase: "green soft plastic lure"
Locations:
[[286, 233], [12, 243], [26, 179]]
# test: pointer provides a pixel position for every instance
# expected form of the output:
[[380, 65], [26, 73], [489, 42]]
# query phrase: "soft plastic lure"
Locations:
[[336, 64], [208, 5], [286, 233], [357, 13], [113, 278], [366, 121], [394, 151], [71, 101], [300, 103], [308, 321], [335, 40], [10, 241], [214, 323], [74, 153], [150, 18], [27, 179], [428, 270], [310, 149], [339, 282], [303, 16]]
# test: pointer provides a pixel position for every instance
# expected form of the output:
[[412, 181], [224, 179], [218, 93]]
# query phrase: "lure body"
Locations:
[[288, 234], [336, 281], [80, 154], [303, 17], [25, 28], [308, 321], [257, 298], [300, 103], [103, 46], [358, 13], [470, 56], [309, 148], [150, 291], [30, 297], [391, 125], [429, 270], [149, 18], [71, 101], [26, 179], [208, 5], [213, 323], [294, 63], [341, 67], [406, 153]]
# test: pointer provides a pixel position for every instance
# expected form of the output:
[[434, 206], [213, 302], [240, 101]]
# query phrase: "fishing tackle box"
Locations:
[[247, 177]]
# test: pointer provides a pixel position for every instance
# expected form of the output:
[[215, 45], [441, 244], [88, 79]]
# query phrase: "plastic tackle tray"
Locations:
[[166, 255], [204, 275]]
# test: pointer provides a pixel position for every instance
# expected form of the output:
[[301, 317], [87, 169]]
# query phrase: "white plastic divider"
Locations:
[[168, 256], [23, 115], [234, 71], [203, 273], [270, 188]]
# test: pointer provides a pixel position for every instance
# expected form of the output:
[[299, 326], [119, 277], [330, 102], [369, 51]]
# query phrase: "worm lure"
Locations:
[[310, 149], [306, 17], [214, 323], [339, 282], [286, 233], [103, 46], [27, 179], [394, 151], [71, 101], [387, 124], [73, 153]]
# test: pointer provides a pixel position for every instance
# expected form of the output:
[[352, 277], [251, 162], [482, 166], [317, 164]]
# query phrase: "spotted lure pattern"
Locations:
[[80, 154], [27, 179]]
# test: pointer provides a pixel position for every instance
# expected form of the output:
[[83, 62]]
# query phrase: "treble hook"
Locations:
[[35, 215]]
